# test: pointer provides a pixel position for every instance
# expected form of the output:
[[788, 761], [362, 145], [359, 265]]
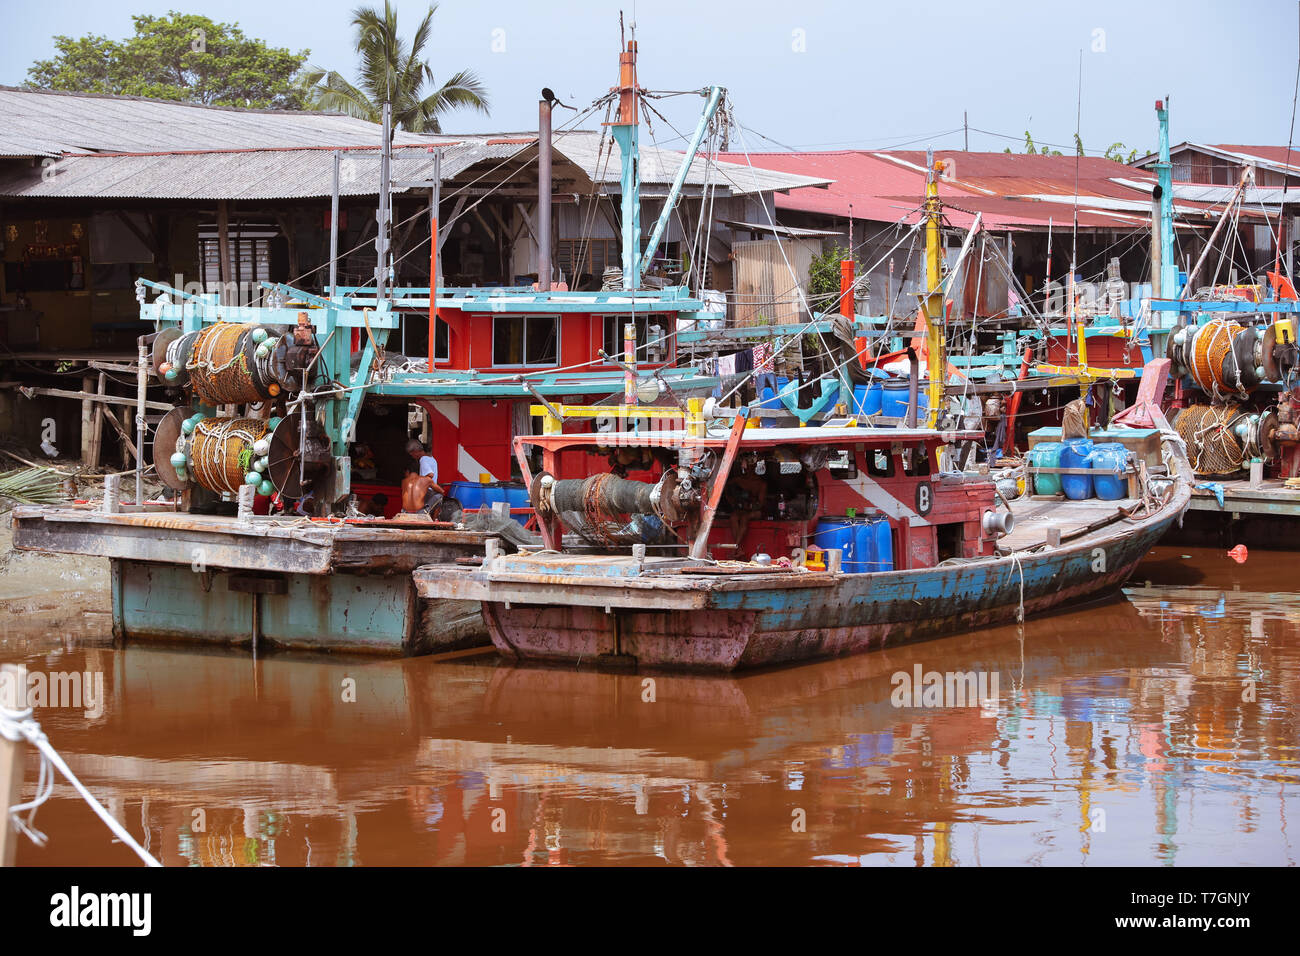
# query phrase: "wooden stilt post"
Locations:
[[223, 247], [97, 425], [13, 695], [87, 418]]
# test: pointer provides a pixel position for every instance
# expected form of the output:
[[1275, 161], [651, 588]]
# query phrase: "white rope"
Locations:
[[19, 725]]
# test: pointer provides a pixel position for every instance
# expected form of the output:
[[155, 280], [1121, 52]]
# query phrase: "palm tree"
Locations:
[[393, 72]]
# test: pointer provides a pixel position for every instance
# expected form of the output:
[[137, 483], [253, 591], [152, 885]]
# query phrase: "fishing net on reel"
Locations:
[[1213, 447], [226, 366], [223, 453]]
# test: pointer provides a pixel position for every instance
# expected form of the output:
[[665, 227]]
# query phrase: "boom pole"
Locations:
[[932, 302]]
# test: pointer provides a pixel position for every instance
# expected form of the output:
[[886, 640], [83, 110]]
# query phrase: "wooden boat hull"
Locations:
[[691, 622], [861, 612]]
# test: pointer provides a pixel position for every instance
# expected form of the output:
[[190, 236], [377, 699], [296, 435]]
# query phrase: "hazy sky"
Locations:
[[815, 75]]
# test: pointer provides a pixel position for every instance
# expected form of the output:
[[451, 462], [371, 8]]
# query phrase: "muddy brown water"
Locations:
[[1155, 728]]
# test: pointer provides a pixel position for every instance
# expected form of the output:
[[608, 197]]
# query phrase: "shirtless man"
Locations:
[[421, 494]]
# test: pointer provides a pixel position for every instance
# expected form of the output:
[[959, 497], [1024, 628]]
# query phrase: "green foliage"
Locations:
[[391, 69], [1115, 151], [824, 274], [180, 56], [1033, 150], [1078, 145]]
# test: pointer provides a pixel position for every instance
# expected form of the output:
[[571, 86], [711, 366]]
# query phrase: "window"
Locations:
[[916, 461], [842, 463], [525, 340], [250, 258], [441, 342], [586, 257], [653, 342], [880, 463]]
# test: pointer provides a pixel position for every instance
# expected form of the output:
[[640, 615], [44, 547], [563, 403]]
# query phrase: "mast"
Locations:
[[385, 214], [624, 131], [932, 302], [1167, 283]]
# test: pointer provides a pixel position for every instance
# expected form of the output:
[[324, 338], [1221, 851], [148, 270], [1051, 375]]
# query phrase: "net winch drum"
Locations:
[[1224, 357], [226, 363], [604, 497], [295, 463]]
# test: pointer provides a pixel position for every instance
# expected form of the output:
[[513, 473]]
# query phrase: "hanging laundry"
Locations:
[[727, 365], [744, 361], [764, 358]]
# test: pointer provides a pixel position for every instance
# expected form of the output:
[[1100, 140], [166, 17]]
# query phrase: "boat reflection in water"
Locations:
[[1155, 729]]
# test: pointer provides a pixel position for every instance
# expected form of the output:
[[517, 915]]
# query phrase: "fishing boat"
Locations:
[[270, 531], [839, 537]]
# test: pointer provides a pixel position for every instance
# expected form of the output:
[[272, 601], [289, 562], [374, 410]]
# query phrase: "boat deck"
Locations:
[[293, 545], [1272, 497], [1073, 519]]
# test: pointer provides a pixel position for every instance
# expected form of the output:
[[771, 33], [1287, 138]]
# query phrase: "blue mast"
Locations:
[[1165, 180]]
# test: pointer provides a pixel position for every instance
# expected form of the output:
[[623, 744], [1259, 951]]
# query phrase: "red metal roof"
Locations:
[[1006, 188]]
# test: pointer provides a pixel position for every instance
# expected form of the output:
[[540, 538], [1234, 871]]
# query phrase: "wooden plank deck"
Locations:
[[262, 544], [1034, 515]]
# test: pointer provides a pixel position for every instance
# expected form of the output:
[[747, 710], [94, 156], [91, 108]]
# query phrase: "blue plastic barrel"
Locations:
[[867, 399], [1109, 460], [872, 546], [468, 493], [893, 398], [833, 533], [882, 557], [1076, 453], [517, 495], [1046, 454]]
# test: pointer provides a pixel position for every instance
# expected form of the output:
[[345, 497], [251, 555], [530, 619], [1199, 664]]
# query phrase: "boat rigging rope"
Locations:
[[16, 725]]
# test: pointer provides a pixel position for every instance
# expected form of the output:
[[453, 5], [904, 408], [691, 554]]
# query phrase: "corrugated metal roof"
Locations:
[[1277, 158], [46, 122], [304, 173], [245, 174], [1011, 190]]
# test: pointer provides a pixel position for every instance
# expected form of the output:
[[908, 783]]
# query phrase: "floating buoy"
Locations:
[[259, 336], [265, 488], [1239, 554], [261, 446], [252, 478], [165, 367]]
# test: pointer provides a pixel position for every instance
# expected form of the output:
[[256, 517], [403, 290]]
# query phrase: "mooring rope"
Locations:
[[18, 725]]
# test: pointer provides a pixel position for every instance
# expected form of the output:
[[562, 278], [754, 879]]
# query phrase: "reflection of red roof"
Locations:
[[1009, 189]]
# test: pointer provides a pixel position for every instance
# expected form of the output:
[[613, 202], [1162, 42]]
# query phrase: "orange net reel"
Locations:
[[1212, 344], [219, 365]]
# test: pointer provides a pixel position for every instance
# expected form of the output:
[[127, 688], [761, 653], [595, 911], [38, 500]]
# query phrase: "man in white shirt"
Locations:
[[421, 493], [428, 464]]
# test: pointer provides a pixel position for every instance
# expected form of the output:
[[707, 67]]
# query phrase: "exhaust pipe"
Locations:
[[998, 523]]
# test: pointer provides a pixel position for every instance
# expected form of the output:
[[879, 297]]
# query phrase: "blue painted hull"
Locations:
[[724, 629]]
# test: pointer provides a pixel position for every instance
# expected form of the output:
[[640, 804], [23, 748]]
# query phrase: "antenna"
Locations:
[[1078, 150], [1286, 178]]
